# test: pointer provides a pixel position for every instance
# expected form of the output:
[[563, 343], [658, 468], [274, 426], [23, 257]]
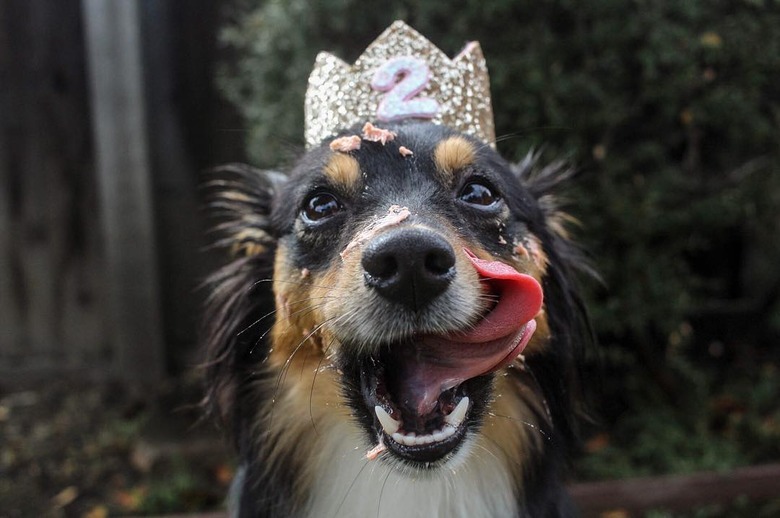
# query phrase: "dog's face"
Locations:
[[414, 276], [407, 278]]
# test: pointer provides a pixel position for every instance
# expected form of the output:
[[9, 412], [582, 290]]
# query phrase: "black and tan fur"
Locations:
[[292, 327]]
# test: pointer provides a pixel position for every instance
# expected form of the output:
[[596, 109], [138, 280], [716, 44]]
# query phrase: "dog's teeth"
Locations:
[[412, 439], [458, 414], [389, 424], [451, 424]]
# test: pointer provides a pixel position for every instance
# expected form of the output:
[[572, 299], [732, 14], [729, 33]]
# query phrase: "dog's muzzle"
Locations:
[[420, 387]]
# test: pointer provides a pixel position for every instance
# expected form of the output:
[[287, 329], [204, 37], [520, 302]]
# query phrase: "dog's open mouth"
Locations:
[[424, 392]]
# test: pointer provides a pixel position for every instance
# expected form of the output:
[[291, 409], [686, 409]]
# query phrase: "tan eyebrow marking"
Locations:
[[343, 171], [453, 155]]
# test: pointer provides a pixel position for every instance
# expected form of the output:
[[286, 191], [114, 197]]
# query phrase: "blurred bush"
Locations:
[[671, 110]]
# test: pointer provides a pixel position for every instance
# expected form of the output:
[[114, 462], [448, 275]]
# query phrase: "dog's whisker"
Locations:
[[314, 380], [262, 336], [504, 138], [305, 282], [253, 324], [537, 387], [288, 362], [349, 489], [534, 427], [518, 134], [299, 312], [501, 448], [289, 303], [305, 311], [381, 493]]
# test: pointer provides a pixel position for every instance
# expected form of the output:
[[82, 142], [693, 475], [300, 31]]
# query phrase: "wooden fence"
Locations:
[[676, 492], [107, 116], [51, 271]]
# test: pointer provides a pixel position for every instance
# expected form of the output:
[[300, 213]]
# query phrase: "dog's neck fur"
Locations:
[[348, 485]]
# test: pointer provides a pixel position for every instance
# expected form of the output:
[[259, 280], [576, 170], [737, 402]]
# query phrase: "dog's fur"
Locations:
[[293, 329]]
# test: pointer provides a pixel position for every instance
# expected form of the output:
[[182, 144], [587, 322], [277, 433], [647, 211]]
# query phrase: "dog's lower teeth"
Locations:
[[452, 421], [411, 439], [389, 424], [455, 418]]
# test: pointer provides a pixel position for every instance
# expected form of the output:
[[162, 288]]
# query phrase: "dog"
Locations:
[[399, 332]]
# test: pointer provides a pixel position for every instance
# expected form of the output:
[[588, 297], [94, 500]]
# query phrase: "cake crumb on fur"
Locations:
[[374, 134], [521, 250], [345, 144], [374, 452]]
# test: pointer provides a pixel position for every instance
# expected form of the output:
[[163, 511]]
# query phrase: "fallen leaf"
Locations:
[[224, 474], [131, 499], [597, 443], [100, 511], [65, 497]]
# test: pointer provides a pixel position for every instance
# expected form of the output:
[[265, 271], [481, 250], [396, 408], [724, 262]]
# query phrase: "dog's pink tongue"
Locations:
[[438, 363]]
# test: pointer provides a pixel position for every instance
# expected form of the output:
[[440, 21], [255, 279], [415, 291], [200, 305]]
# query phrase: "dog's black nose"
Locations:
[[410, 266]]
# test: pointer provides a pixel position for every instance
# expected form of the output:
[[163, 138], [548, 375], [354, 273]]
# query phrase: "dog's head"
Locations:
[[393, 287]]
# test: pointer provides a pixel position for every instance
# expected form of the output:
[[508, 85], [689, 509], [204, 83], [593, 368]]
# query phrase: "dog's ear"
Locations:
[[547, 184], [241, 199], [544, 183]]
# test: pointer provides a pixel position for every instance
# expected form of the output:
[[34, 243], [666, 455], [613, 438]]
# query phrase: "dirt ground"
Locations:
[[73, 449], [92, 450]]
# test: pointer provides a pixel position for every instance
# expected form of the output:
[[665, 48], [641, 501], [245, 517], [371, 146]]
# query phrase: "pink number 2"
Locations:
[[403, 78]]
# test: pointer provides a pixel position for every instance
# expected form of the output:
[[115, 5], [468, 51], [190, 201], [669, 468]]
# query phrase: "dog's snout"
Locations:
[[409, 266]]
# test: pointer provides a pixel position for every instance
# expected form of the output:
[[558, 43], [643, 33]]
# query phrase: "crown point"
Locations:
[[471, 50]]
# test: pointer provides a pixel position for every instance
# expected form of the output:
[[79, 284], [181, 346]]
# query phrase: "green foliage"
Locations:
[[179, 487], [734, 425], [672, 111]]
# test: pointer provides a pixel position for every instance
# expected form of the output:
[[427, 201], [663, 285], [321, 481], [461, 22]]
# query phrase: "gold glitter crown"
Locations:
[[401, 75]]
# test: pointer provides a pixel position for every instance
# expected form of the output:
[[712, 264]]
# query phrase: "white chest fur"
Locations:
[[475, 484]]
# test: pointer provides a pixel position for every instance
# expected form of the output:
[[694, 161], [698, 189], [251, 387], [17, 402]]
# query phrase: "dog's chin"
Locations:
[[426, 438]]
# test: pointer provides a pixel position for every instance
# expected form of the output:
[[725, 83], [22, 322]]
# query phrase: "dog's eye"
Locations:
[[478, 193], [320, 206]]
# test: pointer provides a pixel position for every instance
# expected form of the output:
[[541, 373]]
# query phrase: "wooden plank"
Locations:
[[677, 492], [119, 122], [177, 221], [50, 272], [10, 315], [37, 187]]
